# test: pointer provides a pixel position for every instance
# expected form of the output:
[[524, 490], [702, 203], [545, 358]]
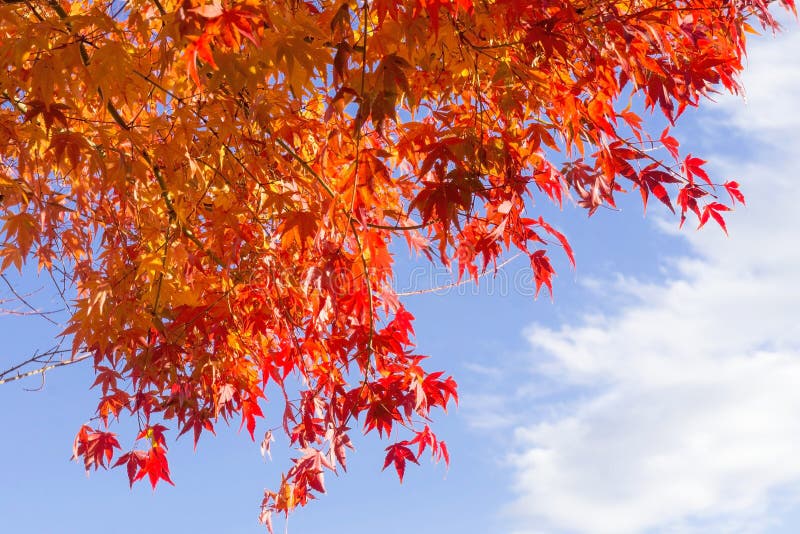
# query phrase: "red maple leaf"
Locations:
[[398, 454]]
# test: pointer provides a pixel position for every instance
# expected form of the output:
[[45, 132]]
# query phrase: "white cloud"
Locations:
[[487, 411], [772, 77], [693, 419]]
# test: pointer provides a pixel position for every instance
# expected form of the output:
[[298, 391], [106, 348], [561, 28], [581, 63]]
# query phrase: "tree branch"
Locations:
[[44, 360], [19, 297], [460, 282]]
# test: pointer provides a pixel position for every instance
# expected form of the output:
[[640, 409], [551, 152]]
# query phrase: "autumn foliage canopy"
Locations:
[[221, 183]]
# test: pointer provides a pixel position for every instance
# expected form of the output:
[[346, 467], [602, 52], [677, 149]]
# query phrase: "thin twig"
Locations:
[[460, 282], [26, 303], [62, 363]]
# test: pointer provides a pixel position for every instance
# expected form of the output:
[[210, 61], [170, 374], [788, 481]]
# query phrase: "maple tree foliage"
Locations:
[[221, 182]]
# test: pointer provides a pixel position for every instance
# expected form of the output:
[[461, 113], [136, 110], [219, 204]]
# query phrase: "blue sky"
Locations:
[[658, 392]]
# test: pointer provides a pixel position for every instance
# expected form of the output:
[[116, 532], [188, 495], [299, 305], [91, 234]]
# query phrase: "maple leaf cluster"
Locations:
[[221, 182]]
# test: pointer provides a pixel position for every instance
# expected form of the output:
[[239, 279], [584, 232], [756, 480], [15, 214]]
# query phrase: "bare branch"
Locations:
[[460, 282], [44, 360], [21, 298]]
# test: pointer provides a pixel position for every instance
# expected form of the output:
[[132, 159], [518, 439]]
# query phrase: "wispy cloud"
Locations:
[[693, 419]]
